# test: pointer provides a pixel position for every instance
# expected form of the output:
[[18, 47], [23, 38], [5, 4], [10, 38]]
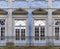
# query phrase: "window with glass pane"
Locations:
[[22, 34], [20, 26], [2, 22], [57, 22], [2, 29], [2, 33], [42, 31], [57, 27], [17, 34], [39, 29], [57, 33], [36, 33]]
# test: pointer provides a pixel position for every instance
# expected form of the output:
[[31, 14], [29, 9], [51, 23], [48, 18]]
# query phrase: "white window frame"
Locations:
[[54, 29], [4, 26], [3, 42], [20, 32], [26, 33], [39, 32]]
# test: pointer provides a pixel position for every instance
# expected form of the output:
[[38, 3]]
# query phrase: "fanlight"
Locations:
[[20, 22], [57, 23], [39, 22]]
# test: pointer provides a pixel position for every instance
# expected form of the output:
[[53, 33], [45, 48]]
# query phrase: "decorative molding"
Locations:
[[20, 12], [56, 12], [39, 11], [3, 12]]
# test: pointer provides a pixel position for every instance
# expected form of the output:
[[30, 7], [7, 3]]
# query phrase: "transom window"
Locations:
[[2, 29], [20, 29], [57, 29], [39, 29]]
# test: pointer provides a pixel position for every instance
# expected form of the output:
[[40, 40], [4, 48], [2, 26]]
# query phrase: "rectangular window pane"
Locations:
[[57, 33], [36, 33], [42, 33], [22, 34], [17, 31], [2, 33], [2, 22]]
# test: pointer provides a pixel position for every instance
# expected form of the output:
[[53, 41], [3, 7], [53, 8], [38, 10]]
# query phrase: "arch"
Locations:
[[3, 12], [56, 12], [19, 12], [39, 11]]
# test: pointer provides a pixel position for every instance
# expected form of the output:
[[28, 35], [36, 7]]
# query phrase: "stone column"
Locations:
[[49, 19], [9, 34]]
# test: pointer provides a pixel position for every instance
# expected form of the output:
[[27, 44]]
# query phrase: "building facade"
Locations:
[[29, 22]]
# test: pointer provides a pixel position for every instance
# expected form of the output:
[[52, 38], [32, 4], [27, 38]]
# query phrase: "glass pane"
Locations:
[[42, 33], [22, 34], [36, 33], [20, 23], [57, 23], [17, 31], [40, 22], [2, 22], [2, 33], [57, 33]]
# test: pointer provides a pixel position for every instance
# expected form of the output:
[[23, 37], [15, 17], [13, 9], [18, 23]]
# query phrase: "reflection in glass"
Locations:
[[57, 33], [2, 22], [39, 22], [2, 33], [57, 22], [20, 22]]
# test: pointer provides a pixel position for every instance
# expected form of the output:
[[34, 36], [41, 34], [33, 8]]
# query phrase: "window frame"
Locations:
[[20, 29], [39, 30], [5, 29], [54, 29]]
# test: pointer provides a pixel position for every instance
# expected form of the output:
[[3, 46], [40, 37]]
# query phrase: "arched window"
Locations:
[[57, 28], [39, 29], [20, 27]]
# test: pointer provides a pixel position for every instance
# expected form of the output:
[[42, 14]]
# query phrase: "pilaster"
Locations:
[[49, 24], [10, 21]]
